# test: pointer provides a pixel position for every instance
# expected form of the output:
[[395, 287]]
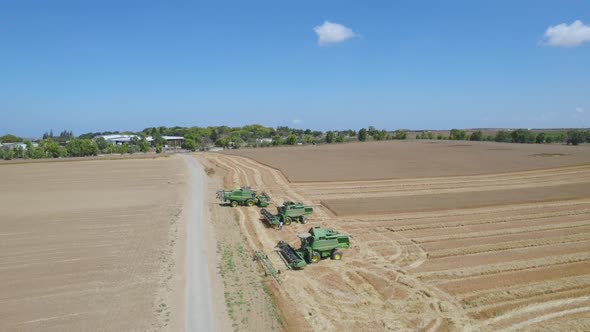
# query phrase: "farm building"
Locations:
[[118, 139], [14, 145]]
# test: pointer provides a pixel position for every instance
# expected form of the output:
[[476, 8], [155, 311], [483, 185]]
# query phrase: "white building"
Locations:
[[21, 144], [119, 139], [264, 140]]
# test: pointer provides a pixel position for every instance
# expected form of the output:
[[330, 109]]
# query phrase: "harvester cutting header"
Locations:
[[243, 196]]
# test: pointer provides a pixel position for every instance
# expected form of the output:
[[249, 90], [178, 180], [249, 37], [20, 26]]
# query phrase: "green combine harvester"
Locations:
[[316, 244], [289, 212], [243, 196]]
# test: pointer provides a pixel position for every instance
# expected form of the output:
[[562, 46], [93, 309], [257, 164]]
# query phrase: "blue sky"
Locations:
[[127, 65]]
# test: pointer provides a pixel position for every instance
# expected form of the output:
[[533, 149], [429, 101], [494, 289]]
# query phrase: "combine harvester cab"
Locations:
[[287, 213], [316, 244], [243, 196]]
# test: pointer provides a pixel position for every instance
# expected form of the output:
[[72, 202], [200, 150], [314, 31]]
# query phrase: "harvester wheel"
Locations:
[[336, 255], [303, 220], [315, 257], [234, 203], [288, 220], [250, 202]]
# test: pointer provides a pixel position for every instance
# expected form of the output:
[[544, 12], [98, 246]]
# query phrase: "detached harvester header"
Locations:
[[287, 213], [316, 244], [243, 196]]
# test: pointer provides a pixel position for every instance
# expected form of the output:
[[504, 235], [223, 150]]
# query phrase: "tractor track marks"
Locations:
[[453, 268]]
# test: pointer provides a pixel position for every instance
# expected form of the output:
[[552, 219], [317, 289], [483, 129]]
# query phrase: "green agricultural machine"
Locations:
[[316, 244], [289, 212], [243, 196]]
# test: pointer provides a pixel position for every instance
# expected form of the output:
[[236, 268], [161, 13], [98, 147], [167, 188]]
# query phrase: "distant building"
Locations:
[[174, 141], [15, 144], [119, 139]]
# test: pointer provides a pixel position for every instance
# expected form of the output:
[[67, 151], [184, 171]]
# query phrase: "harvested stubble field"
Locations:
[[92, 245], [411, 159], [481, 237]]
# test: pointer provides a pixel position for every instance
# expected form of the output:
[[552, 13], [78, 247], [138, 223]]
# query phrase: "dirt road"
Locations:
[[198, 313]]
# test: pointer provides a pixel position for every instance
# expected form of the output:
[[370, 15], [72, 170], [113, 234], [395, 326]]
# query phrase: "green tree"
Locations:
[[379, 135], [277, 140], [330, 136], [144, 145], [8, 154], [223, 141], [400, 134], [503, 136], [339, 139], [190, 144], [457, 135], [308, 138], [520, 136], [291, 139], [102, 143], [39, 153], [540, 138], [52, 149], [476, 136], [29, 149], [362, 135], [10, 139], [78, 147], [158, 139], [18, 151], [132, 148], [134, 140], [158, 148], [575, 137]]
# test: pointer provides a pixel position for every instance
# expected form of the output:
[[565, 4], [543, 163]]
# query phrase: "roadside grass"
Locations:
[[247, 296]]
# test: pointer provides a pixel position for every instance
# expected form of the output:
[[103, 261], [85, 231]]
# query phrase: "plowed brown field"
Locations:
[[455, 236], [92, 245]]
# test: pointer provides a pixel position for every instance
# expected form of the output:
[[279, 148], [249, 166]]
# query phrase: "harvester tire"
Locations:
[[288, 220], [250, 202], [336, 255], [303, 220], [234, 203], [315, 257]]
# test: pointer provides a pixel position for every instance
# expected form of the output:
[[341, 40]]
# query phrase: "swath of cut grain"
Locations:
[[482, 298], [511, 278], [388, 205], [541, 235], [499, 309], [465, 230], [504, 267], [511, 255]]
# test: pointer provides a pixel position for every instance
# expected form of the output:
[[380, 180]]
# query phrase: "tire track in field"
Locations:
[[392, 247]]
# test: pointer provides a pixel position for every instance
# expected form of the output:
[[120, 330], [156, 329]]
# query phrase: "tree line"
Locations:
[[66, 144], [574, 137]]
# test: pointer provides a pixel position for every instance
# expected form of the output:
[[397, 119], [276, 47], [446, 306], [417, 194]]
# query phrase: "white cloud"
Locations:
[[567, 35], [579, 110], [330, 33], [296, 121]]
